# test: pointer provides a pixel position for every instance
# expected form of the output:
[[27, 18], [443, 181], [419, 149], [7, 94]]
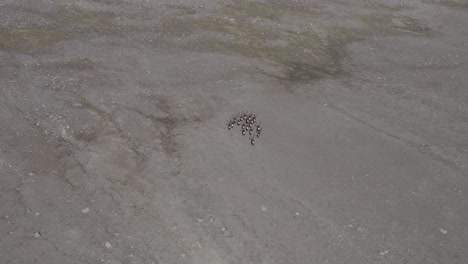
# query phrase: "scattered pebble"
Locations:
[[443, 231], [383, 252], [37, 234], [108, 245], [85, 210]]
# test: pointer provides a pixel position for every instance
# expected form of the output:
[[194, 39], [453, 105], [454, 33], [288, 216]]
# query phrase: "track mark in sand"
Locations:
[[420, 147]]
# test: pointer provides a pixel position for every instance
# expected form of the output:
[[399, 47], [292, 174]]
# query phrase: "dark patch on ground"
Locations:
[[272, 10], [183, 9], [84, 21], [28, 39], [386, 24], [65, 23], [165, 125], [304, 54], [449, 3], [79, 64]]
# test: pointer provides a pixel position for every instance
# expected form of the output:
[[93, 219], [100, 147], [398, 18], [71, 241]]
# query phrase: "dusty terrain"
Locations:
[[114, 146]]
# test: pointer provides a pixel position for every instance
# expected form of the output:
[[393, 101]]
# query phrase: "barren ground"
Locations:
[[114, 146]]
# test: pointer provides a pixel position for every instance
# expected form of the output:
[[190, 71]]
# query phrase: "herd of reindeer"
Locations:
[[247, 123]]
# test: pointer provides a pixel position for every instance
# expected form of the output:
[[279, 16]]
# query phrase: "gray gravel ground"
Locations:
[[114, 146]]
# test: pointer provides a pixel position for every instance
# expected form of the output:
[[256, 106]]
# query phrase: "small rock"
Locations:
[[37, 234], [264, 208], [443, 231], [85, 210], [31, 174], [37, 214], [108, 245], [383, 252], [297, 213], [7, 216]]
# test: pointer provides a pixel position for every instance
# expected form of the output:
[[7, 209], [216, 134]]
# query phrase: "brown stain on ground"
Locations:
[[252, 29], [306, 54], [84, 21], [450, 3], [79, 64], [66, 23], [392, 7], [29, 39], [269, 10], [391, 24]]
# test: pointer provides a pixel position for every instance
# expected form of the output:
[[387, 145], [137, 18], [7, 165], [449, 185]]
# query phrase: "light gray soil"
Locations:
[[114, 146]]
